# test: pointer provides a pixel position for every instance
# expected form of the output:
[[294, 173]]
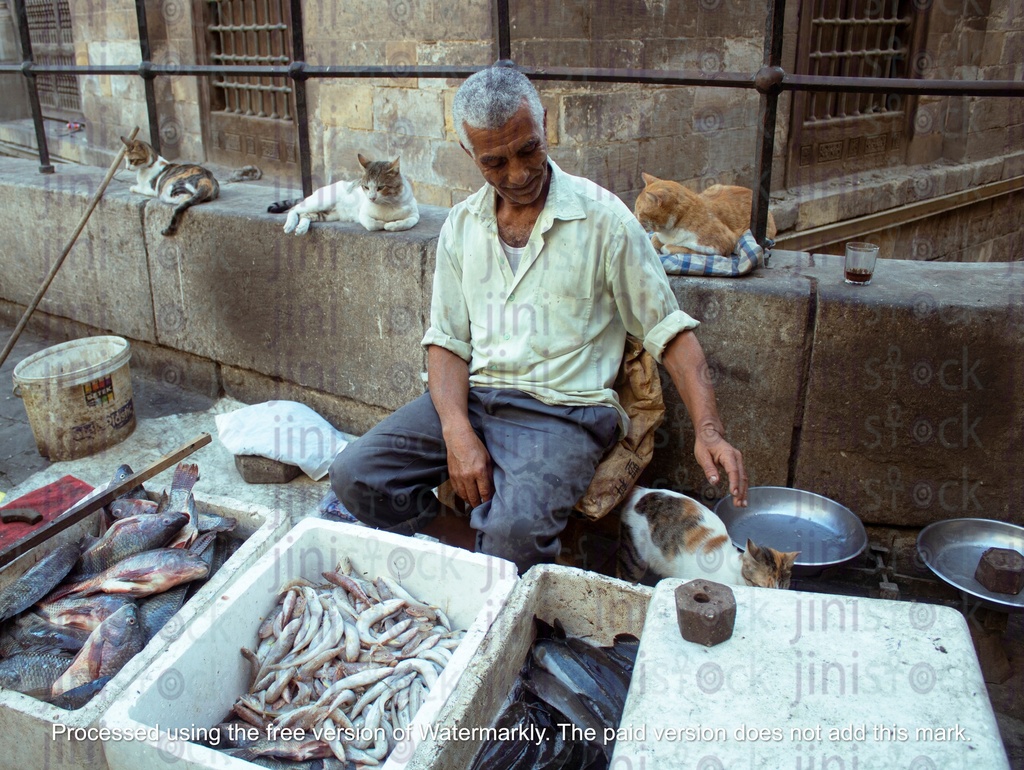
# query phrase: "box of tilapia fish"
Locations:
[[112, 604], [340, 647]]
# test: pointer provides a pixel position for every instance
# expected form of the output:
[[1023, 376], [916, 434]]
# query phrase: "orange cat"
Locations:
[[684, 222]]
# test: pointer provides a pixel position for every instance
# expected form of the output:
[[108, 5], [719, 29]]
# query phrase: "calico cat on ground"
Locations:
[[181, 184], [684, 222], [678, 537], [381, 200]]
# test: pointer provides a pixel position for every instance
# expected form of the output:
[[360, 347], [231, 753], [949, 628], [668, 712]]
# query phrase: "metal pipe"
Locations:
[[45, 167], [768, 81], [297, 72], [146, 72], [790, 82]]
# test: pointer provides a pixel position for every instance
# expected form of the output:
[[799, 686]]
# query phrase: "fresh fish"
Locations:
[[117, 640], [127, 537], [209, 522], [123, 472], [143, 574], [155, 611], [185, 477], [32, 673], [553, 691], [122, 509], [612, 677], [82, 612], [31, 633], [558, 660], [38, 581], [78, 697]]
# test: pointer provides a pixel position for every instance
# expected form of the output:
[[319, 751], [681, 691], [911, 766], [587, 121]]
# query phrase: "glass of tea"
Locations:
[[860, 263]]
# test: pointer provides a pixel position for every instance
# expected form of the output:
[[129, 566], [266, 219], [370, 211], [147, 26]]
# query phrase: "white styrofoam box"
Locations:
[[591, 606], [810, 680], [194, 684], [33, 722]]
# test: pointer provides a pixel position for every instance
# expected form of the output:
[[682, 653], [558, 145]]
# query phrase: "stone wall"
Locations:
[[609, 133], [902, 400]]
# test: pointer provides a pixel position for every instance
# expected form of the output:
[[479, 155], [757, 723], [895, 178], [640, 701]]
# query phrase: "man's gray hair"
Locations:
[[489, 98]]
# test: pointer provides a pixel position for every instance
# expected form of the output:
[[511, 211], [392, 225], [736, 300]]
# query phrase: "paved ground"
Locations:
[[169, 416]]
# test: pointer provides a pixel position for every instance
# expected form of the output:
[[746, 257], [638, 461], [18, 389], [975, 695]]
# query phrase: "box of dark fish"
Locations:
[[585, 607], [306, 657], [64, 733]]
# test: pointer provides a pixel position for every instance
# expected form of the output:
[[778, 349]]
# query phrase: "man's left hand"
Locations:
[[713, 452]]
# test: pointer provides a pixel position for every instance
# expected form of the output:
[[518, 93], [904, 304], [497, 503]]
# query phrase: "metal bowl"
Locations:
[[823, 531], [953, 548]]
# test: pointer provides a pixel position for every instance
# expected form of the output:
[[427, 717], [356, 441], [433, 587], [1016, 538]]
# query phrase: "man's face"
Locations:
[[513, 159]]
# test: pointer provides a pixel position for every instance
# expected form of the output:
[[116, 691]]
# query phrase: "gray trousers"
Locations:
[[543, 459]]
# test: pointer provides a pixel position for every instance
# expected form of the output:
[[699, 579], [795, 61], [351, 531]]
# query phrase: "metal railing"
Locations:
[[769, 81]]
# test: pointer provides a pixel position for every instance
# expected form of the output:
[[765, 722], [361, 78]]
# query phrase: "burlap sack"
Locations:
[[639, 390]]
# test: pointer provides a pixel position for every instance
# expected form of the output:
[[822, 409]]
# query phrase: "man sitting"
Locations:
[[539, 276]]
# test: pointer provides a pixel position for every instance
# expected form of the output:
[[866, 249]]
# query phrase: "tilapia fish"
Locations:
[[84, 612], [180, 499], [79, 696], [127, 537], [32, 673], [141, 575], [205, 522], [122, 509], [38, 581], [116, 641], [31, 633]]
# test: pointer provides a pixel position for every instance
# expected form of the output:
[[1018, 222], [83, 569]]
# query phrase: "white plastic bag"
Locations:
[[286, 431]]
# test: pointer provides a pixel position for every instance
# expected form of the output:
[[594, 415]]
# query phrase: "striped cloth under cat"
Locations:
[[747, 256]]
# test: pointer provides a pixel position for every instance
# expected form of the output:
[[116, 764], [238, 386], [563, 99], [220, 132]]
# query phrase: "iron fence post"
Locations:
[[502, 31], [768, 82], [298, 76], [148, 75], [45, 167]]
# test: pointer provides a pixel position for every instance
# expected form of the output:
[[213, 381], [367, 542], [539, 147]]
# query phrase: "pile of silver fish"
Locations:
[[75, 618], [565, 681], [343, 664]]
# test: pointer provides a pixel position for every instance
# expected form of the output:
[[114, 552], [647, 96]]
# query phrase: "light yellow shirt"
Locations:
[[556, 328]]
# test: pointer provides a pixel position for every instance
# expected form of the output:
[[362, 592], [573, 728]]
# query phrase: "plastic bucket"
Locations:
[[78, 396]]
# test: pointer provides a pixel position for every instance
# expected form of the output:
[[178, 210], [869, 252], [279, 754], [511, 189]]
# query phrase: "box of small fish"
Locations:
[[82, 614], [550, 683], [341, 647]]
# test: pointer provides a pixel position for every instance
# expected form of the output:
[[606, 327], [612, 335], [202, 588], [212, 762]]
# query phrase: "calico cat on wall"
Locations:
[[675, 536], [180, 184], [684, 222], [381, 199]]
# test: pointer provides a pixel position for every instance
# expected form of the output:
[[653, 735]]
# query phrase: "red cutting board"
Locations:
[[50, 501]]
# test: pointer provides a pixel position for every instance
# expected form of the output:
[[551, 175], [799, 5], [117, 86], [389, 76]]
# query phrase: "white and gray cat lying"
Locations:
[[675, 536], [381, 199]]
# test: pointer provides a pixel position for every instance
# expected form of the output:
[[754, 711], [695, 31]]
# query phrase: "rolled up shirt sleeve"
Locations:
[[449, 314], [647, 306]]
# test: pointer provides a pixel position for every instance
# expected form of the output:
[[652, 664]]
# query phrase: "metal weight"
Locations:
[[706, 612]]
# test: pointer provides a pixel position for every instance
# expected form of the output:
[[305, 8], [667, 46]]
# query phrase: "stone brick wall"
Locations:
[[610, 133]]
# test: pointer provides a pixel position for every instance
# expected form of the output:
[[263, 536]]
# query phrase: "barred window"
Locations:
[[49, 24], [838, 133]]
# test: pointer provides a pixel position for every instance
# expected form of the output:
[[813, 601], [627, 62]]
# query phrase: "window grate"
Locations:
[[251, 32], [49, 23], [858, 38]]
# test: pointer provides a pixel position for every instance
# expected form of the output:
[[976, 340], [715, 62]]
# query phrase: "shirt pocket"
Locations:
[[563, 324]]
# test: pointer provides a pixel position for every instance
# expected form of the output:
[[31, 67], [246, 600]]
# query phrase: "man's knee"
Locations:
[[347, 474]]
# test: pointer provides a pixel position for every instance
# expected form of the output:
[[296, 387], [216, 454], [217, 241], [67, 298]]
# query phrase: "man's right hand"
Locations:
[[469, 466]]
